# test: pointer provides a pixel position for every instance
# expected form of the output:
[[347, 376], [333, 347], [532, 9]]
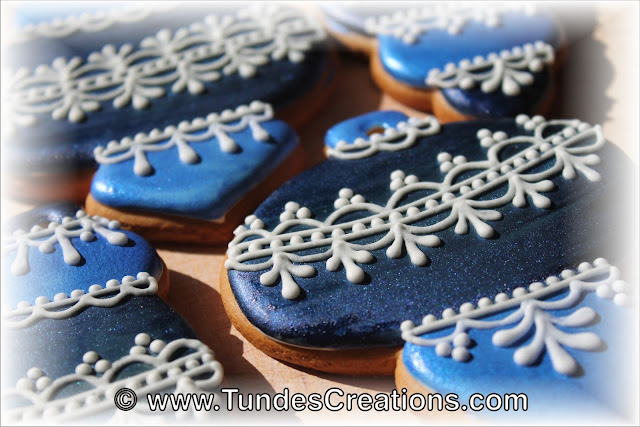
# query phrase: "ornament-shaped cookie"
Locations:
[[417, 217]]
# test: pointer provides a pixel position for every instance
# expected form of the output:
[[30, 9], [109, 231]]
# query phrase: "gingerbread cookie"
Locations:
[[82, 81], [418, 218], [83, 319], [458, 60], [195, 181]]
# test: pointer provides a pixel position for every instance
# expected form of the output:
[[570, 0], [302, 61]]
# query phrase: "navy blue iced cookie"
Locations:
[[197, 180], [417, 219], [85, 80], [563, 339], [82, 319], [458, 60]]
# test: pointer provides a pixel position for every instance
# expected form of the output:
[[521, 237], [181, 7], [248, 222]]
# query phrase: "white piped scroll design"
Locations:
[[175, 61], [65, 306], [88, 22], [508, 71], [570, 143], [452, 17], [186, 133], [530, 310], [401, 137], [83, 226], [169, 368]]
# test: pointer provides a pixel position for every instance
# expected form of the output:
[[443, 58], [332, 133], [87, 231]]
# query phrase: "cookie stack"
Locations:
[[464, 244]]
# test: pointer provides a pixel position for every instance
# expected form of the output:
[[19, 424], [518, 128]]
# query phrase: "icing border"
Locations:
[[508, 70], [65, 306], [531, 311], [411, 131], [100, 374], [218, 125], [394, 221], [173, 60], [83, 226]]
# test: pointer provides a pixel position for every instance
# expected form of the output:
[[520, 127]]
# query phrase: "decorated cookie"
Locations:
[[459, 60], [417, 218], [82, 320], [82, 80], [197, 180], [562, 345]]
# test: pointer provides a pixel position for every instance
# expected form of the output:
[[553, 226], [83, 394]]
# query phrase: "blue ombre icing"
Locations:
[[330, 302], [204, 190], [598, 393], [416, 44], [70, 345], [193, 80], [410, 63], [49, 274]]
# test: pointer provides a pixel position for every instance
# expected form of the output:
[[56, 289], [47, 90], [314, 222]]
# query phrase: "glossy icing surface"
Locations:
[[467, 53], [57, 144], [363, 311], [49, 273], [67, 351], [596, 394], [206, 189], [410, 63]]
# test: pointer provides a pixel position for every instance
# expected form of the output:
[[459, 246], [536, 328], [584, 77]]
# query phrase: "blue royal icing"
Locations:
[[437, 46], [217, 171], [287, 268], [65, 266], [595, 391], [66, 356], [59, 134], [411, 63]]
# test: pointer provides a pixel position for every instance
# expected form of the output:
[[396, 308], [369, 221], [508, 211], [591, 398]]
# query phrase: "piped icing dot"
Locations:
[[42, 383], [90, 357], [461, 340], [448, 312], [347, 193], [25, 384], [83, 369], [42, 300], [142, 339], [156, 346], [102, 366], [34, 373], [460, 354], [407, 325], [443, 349]]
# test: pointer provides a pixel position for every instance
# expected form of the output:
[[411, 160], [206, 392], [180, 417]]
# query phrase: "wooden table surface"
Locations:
[[600, 85]]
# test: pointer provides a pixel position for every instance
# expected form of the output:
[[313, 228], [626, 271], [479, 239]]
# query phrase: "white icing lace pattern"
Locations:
[[65, 306], [572, 147], [186, 133], [403, 136], [62, 233], [509, 70], [88, 22], [452, 17], [184, 59], [169, 369], [531, 311]]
